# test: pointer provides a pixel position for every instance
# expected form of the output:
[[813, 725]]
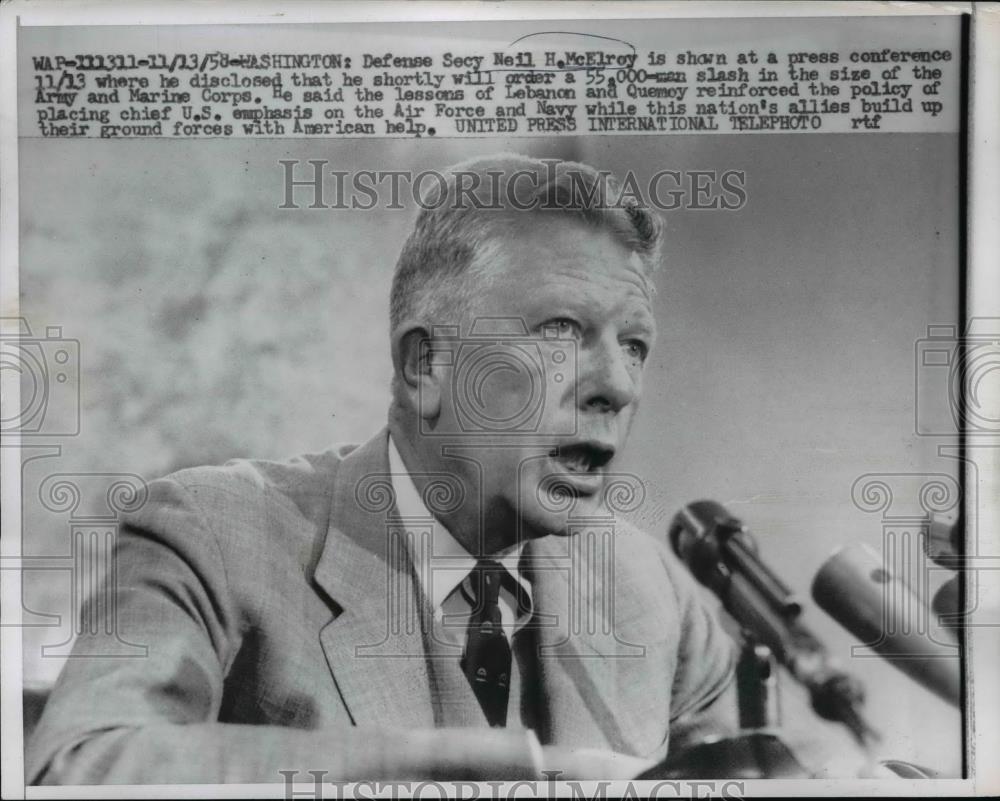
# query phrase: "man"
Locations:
[[456, 598]]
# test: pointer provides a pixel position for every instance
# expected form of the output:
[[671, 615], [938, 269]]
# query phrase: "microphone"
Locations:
[[721, 553], [879, 609], [945, 544], [944, 541]]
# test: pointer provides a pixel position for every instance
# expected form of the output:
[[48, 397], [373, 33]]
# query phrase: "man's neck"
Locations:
[[466, 522]]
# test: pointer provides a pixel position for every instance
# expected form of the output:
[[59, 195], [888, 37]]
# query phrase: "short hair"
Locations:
[[474, 204]]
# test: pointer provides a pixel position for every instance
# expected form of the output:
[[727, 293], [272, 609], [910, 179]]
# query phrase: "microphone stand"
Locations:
[[757, 686], [722, 555]]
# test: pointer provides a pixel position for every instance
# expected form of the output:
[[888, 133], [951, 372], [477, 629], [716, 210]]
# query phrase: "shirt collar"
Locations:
[[450, 562]]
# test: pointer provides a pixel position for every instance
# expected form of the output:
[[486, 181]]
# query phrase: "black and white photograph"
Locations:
[[500, 400]]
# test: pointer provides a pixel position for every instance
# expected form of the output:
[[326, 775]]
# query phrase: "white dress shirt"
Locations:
[[449, 564]]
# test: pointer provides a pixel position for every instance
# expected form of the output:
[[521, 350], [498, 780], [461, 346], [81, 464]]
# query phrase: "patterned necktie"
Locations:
[[487, 657]]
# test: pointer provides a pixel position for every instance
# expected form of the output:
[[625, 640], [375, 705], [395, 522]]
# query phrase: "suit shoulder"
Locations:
[[303, 481], [653, 558], [640, 542], [265, 512], [256, 493]]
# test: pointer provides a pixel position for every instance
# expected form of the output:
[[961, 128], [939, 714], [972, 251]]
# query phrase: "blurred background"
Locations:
[[212, 324]]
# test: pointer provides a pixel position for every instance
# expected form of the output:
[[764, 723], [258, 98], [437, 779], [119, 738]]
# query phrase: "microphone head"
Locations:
[[854, 587], [696, 535], [944, 542], [695, 522]]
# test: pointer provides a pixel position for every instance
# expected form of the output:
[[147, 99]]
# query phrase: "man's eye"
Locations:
[[636, 349], [562, 327]]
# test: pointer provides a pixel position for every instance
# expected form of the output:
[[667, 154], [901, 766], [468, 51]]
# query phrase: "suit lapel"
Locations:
[[604, 655], [375, 646], [605, 664]]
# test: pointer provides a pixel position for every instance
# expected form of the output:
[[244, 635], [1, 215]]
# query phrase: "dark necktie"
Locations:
[[487, 657]]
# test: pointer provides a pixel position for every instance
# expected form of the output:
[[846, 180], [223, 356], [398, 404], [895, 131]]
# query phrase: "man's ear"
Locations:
[[419, 381]]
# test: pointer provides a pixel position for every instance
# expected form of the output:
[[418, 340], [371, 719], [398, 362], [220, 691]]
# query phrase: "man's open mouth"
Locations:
[[583, 457]]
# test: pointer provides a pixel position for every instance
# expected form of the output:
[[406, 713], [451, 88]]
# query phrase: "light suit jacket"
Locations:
[[267, 596]]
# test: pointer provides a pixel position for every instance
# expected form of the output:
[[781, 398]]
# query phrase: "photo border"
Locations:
[[982, 172]]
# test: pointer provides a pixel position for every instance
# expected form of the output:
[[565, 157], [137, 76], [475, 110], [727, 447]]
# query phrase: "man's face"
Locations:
[[543, 385]]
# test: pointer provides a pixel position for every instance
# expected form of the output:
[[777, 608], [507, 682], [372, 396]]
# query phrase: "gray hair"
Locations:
[[475, 204]]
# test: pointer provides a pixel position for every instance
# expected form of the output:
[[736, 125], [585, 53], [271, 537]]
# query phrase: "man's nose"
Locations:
[[606, 382]]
